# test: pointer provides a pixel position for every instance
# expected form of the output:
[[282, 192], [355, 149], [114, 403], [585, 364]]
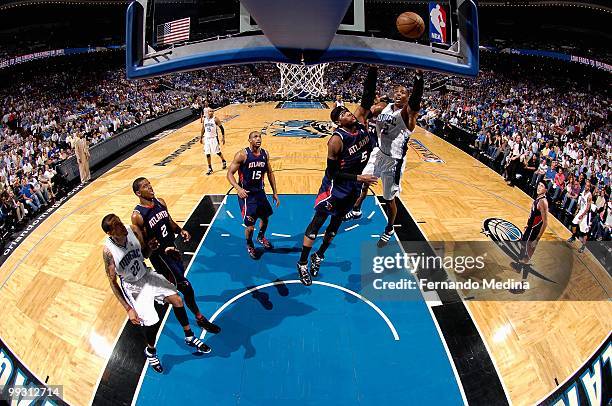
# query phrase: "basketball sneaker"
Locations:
[[384, 239], [207, 325], [153, 360], [252, 252], [195, 342], [210, 171], [303, 274], [264, 241], [353, 215], [224, 164], [315, 264]]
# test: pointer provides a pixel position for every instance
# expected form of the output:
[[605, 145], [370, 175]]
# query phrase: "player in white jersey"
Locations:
[[205, 108], [581, 223], [338, 102], [394, 126], [210, 138], [139, 287]]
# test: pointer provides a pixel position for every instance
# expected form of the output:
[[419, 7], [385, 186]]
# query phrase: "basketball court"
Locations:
[[282, 342], [324, 343]]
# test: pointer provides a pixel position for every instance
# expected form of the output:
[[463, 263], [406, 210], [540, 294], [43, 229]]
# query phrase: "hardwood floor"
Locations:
[[61, 318]]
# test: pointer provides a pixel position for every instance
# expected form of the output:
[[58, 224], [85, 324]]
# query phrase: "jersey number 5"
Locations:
[[364, 156]]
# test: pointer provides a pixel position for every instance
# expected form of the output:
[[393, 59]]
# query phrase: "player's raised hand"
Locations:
[[134, 317], [367, 179], [153, 244], [242, 193], [276, 200], [185, 234]]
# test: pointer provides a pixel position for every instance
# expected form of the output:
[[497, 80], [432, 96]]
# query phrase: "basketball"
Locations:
[[410, 25]]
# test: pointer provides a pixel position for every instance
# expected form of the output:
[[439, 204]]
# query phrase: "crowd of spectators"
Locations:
[[43, 112], [535, 127], [527, 126]]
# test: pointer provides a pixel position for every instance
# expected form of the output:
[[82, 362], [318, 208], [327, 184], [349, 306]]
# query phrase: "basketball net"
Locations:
[[301, 81]]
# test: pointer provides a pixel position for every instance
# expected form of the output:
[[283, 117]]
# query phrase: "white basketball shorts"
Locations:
[[389, 170], [143, 293]]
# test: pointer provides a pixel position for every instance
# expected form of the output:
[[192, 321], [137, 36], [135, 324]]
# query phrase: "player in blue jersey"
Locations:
[[348, 149], [152, 218], [252, 163], [376, 109]]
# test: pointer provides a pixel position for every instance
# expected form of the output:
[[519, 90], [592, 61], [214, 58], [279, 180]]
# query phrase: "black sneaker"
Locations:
[[571, 239], [207, 325], [303, 274], [384, 239], [154, 361], [224, 165], [252, 252], [210, 171], [315, 264], [195, 342]]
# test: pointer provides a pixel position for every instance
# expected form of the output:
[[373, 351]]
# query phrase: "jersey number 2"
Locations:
[[163, 230]]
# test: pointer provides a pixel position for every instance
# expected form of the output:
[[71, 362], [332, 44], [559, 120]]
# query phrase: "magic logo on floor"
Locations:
[[299, 128]]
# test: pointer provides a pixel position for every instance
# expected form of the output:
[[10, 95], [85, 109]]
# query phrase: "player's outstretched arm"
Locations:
[[239, 159], [220, 125], [272, 181], [367, 98], [410, 112]]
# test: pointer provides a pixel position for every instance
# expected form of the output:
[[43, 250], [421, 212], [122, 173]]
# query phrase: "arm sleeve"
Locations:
[[369, 88], [414, 102]]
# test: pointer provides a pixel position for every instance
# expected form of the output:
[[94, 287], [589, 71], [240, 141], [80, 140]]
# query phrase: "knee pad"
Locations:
[[329, 234], [315, 225]]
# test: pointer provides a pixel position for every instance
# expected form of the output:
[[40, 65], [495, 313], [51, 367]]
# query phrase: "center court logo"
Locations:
[[299, 128]]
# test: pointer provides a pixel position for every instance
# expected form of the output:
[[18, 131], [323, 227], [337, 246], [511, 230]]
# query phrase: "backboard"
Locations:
[[165, 36]]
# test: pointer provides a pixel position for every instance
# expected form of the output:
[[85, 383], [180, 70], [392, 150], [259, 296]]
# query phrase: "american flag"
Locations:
[[173, 31]]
